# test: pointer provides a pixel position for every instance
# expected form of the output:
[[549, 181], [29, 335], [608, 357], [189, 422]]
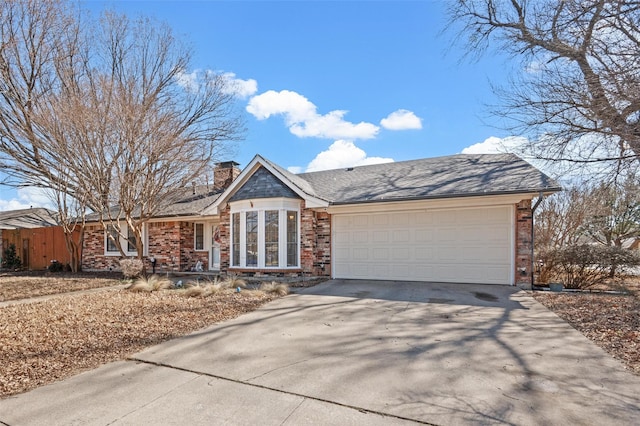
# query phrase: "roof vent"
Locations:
[[349, 169]]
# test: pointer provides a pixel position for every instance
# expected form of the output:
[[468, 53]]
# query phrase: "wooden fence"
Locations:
[[37, 247]]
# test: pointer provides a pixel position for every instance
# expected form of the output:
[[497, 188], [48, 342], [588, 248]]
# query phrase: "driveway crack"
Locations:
[[277, 368], [246, 383], [293, 411]]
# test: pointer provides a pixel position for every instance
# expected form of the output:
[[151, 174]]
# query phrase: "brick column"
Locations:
[[524, 244]]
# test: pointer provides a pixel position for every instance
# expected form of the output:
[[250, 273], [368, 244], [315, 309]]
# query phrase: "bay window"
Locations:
[[265, 233]]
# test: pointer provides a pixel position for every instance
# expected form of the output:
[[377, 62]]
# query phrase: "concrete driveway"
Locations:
[[358, 352]]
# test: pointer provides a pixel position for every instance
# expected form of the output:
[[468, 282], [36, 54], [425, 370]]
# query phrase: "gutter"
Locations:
[[444, 196], [533, 211]]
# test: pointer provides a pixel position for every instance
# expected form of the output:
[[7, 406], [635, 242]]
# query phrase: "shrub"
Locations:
[[149, 284], [10, 259], [197, 290], [275, 288], [581, 266], [55, 266], [131, 268], [234, 282]]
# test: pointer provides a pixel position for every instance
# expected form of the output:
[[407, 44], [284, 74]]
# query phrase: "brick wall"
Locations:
[[225, 241], [322, 263], [170, 243], [315, 244], [524, 224], [164, 245], [93, 257]]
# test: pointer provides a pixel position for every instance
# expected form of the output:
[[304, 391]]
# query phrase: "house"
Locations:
[[460, 218]]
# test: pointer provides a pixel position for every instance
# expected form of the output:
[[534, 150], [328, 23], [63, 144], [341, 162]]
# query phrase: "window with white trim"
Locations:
[[198, 235], [128, 241], [265, 233], [112, 240]]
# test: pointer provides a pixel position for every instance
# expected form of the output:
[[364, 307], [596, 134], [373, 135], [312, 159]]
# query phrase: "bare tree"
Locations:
[[578, 90], [106, 110], [615, 213]]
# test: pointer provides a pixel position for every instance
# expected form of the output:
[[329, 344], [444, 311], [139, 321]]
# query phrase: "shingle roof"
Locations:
[[183, 202], [441, 177], [187, 203], [27, 218]]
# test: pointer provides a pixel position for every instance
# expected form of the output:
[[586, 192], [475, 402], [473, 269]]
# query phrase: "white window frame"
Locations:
[[124, 242], [282, 205], [195, 236]]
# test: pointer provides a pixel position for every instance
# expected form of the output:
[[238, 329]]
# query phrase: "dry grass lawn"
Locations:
[[46, 341], [14, 287]]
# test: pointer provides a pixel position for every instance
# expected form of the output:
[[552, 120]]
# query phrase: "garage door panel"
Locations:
[[401, 236], [471, 245], [380, 237]]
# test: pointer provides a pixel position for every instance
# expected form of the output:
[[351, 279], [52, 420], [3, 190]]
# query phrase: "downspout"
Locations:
[[533, 210]]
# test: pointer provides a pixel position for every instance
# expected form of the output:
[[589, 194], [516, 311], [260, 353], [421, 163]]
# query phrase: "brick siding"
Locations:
[[170, 243]]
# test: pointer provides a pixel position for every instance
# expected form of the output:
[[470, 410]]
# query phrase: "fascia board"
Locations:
[[426, 204]]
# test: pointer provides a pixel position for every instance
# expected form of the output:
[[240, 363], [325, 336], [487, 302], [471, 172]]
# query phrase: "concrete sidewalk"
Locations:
[[355, 352]]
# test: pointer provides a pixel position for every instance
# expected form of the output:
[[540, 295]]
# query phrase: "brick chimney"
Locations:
[[224, 173]]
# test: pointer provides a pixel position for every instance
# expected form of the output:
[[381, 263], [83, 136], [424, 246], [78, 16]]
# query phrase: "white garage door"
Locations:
[[471, 245]]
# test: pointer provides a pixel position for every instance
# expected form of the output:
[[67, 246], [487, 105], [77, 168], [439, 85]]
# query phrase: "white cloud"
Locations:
[[27, 197], [401, 119], [240, 88], [189, 81], [564, 171], [494, 145], [343, 154], [303, 120], [295, 169], [12, 204]]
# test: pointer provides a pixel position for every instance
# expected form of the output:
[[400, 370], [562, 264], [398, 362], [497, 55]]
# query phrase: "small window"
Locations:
[[199, 236], [131, 240], [112, 240]]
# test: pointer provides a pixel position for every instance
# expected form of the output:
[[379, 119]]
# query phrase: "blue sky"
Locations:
[[333, 83]]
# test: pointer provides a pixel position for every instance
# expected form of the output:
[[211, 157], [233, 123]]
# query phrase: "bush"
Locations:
[[55, 266], [275, 288], [152, 283], [131, 268], [10, 259], [581, 266]]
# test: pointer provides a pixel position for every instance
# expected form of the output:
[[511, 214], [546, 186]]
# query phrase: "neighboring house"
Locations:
[[29, 230], [461, 218]]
